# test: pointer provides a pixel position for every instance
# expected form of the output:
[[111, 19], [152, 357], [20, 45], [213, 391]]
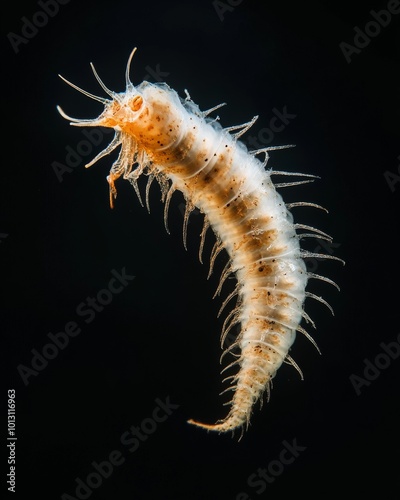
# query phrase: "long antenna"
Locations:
[[129, 84], [102, 85], [85, 92]]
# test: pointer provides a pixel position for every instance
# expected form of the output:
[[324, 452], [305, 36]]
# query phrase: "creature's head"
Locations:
[[122, 108], [122, 113], [146, 120]]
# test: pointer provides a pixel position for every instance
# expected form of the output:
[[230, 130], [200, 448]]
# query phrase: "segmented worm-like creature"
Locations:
[[170, 140]]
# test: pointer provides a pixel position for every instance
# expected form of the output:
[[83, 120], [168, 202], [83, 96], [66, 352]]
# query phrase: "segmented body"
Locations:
[[169, 139]]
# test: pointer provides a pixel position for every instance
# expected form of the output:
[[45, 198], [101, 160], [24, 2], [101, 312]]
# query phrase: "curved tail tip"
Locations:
[[209, 427], [222, 426]]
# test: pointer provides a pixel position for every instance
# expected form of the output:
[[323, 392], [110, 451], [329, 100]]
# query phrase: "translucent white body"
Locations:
[[170, 140]]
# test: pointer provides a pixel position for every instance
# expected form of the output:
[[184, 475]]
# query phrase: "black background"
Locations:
[[159, 338]]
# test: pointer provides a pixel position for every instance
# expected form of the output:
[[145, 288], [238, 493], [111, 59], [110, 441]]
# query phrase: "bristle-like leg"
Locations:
[[166, 206], [227, 270], [211, 110], [323, 278], [148, 185], [289, 360], [308, 337], [217, 249], [206, 225], [279, 185], [234, 292], [243, 128], [188, 210], [320, 299], [109, 149], [305, 254], [314, 230], [305, 204]]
